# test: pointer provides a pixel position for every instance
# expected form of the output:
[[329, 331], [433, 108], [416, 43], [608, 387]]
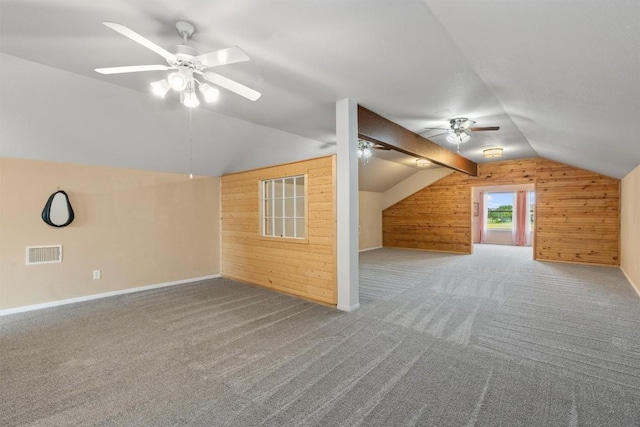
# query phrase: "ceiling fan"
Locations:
[[186, 63], [460, 130], [365, 148]]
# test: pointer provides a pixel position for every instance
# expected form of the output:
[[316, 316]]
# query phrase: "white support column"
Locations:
[[347, 200]]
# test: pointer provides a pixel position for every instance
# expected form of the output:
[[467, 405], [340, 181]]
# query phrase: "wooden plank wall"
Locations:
[[306, 269], [577, 215], [577, 212], [435, 218]]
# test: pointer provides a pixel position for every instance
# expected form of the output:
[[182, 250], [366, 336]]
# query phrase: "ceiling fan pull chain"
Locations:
[[190, 143]]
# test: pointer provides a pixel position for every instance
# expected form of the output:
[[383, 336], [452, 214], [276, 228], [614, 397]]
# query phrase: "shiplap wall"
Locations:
[[306, 269], [436, 218], [578, 215], [577, 212]]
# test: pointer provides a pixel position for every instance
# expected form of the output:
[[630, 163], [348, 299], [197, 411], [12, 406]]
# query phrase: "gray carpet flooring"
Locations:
[[490, 339]]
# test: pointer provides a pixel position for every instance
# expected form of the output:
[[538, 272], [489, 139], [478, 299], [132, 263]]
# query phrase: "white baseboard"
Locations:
[[22, 309], [348, 309], [370, 249], [633, 285]]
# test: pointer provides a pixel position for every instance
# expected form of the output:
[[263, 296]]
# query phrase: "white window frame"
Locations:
[[291, 226], [513, 212]]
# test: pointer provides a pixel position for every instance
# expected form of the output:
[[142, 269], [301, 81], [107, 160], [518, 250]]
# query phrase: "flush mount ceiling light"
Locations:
[[187, 66], [491, 153], [422, 163]]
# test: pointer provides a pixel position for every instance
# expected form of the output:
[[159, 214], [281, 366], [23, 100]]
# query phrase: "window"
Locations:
[[532, 206], [284, 207], [500, 211]]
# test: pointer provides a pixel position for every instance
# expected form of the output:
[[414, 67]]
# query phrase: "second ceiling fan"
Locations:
[[460, 129]]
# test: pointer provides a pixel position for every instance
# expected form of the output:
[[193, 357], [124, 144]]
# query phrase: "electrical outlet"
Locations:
[[97, 274]]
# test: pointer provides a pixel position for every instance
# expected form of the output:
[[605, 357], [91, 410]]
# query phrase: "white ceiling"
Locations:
[[560, 78], [387, 168]]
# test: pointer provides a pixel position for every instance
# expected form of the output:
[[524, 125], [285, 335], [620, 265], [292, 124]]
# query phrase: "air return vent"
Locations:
[[44, 254]]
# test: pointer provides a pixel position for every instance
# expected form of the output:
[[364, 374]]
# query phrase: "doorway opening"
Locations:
[[504, 215]]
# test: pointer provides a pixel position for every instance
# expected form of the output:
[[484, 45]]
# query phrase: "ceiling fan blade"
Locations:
[[433, 136], [230, 55], [380, 147], [439, 134], [132, 69], [465, 124], [231, 85], [141, 40], [479, 129]]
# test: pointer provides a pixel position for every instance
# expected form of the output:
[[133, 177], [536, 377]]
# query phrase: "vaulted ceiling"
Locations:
[[560, 78]]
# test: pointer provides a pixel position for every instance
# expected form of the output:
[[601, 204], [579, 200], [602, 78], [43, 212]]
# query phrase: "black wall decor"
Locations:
[[58, 211]]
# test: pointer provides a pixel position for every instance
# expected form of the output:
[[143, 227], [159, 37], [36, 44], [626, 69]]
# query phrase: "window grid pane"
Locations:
[[273, 209], [283, 209]]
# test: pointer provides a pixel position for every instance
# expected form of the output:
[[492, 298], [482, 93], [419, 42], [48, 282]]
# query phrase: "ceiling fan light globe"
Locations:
[[160, 88], [177, 81], [210, 93], [190, 100], [457, 137]]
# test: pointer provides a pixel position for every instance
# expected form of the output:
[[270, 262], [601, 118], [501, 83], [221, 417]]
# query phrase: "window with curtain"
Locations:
[[284, 207], [506, 217]]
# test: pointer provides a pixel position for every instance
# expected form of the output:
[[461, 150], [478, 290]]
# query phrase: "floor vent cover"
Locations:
[[44, 254]]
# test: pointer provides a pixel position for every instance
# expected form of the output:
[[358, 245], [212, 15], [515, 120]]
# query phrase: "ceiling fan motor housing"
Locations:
[[460, 124], [185, 55]]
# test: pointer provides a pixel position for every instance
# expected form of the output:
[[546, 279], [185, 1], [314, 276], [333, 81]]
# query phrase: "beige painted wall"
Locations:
[[140, 228], [630, 227], [370, 219]]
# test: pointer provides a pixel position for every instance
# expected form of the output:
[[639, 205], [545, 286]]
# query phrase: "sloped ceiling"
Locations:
[[560, 78]]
